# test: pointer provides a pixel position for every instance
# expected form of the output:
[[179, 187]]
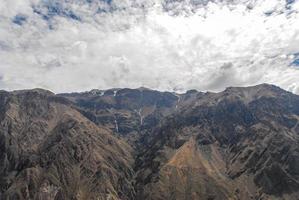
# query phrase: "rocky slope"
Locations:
[[238, 144], [50, 151], [242, 143], [129, 113]]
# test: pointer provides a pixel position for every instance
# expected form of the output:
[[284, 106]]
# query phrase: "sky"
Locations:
[[174, 45]]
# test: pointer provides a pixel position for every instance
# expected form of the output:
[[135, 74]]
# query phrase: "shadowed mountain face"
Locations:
[[238, 144], [242, 143], [129, 113]]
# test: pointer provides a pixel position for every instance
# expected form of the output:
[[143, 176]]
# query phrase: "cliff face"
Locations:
[[242, 143]]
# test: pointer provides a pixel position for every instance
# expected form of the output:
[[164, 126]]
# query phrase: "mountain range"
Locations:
[[141, 144]]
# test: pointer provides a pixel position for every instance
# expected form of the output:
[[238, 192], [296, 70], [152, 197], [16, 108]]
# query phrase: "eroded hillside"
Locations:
[[242, 143]]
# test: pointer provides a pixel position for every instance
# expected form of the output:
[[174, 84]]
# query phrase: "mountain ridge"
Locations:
[[241, 143]]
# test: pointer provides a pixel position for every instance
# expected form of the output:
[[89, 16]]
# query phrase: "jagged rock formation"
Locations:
[[242, 143]]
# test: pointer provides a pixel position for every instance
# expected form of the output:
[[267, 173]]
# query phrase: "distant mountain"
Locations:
[[242, 143], [128, 112]]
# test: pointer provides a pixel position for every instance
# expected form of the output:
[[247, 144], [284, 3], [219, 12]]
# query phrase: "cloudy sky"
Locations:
[[78, 45]]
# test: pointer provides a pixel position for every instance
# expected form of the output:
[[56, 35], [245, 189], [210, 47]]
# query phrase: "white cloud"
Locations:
[[138, 43]]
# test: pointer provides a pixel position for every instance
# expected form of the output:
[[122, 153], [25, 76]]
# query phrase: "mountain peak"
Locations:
[[39, 91]]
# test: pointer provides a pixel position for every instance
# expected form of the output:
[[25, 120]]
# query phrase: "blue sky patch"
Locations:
[[56, 9], [290, 1], [296, 62], [289, 4], [19, 19]]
